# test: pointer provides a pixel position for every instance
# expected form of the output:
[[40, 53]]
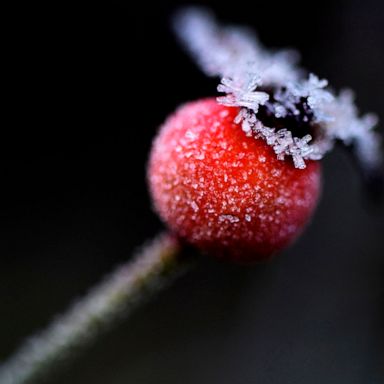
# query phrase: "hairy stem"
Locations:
[[115, 297]]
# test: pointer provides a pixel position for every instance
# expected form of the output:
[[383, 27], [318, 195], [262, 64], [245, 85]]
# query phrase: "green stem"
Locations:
[[154, 266]]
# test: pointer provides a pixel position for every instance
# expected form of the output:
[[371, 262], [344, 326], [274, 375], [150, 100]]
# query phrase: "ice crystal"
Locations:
[[296, 115], [242, 93]]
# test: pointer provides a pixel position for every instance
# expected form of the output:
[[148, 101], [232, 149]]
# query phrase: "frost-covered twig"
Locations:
[[154, 266], [297, 116]]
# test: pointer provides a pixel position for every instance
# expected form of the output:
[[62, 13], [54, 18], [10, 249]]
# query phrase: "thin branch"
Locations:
[[115, 297]]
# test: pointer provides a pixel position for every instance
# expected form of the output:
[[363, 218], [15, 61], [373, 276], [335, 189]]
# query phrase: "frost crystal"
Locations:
[[295, 115], [242, 93]]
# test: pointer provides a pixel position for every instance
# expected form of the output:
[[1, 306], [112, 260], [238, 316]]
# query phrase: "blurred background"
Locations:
[[85, 90]]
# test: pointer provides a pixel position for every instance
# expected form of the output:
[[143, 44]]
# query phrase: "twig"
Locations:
[[116, 296]]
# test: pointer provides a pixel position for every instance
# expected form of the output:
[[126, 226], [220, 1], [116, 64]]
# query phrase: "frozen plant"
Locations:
[[216, 187], [297, 115]]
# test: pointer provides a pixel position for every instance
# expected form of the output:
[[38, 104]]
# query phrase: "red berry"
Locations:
[[225, 192]]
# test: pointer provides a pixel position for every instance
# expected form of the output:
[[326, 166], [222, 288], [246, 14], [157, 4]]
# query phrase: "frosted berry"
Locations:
[[225, 192]]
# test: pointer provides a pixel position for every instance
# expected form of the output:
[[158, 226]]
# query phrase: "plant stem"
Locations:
[[116, 296]]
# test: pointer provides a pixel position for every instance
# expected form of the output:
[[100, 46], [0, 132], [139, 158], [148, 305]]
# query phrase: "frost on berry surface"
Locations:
[[239, 199], [297, 115]]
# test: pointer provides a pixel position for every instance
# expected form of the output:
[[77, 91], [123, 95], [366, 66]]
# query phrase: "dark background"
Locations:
[[84, 92]]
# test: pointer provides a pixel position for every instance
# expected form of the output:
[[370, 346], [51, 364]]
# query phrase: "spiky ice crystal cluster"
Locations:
[[296, 115]]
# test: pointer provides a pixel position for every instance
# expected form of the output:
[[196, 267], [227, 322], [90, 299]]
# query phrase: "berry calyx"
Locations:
[[225, 192]]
